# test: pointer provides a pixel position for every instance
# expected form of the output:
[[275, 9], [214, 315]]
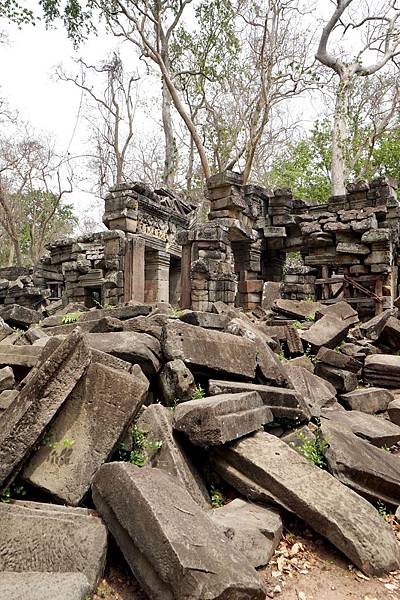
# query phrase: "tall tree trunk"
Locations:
[[171, 157], [189, 172], [340, 138], [11, 253]]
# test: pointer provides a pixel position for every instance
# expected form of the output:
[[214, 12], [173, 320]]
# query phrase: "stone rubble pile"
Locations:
[[140, 420]]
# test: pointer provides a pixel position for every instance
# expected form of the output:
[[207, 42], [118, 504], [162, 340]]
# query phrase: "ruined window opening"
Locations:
[[93, 297]]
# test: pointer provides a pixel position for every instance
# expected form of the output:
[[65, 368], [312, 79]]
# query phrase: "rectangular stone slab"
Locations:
[[171, 545], [50, 538], [21, 356], [86, 431], [262, 466], [369, 471], [281, 401], [44, 586], [220, 419], [23, 423], [156, 421], [377, 431], [211, 350], [254, 529], [382, 370], [328, 331]]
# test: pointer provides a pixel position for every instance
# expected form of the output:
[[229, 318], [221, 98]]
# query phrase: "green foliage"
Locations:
[[71, 318], [281, 356], [15, 13], [310, 318], [310, 354], [217, 498], [382, 509], [140, 443], [14, 492], [298, 324], [314, 449], [48, 441], [199, 393]]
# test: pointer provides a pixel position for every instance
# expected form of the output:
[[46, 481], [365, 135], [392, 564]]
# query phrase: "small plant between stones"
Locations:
[[198, 393], [71, 318], [217, 498], [140, 443], [14, 492], [314, 449]]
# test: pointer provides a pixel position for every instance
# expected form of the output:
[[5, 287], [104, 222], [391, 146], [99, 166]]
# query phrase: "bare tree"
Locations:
[[381, 36], [33, 182], [112, 116]]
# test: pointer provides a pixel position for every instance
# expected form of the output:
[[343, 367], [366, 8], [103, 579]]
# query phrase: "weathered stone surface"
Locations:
[[382, 370], [368, 400], [270, 367], [21, 356], [390, 336], [271, 293], [253, 529], [5, 330], [262, 466], [106, 325], [220, 419], [205, 319], [296, 309], [50, 538], [86, 431], [295, 437], [328, 331], [316, 392], [394, 411], [301, 361], [19, 316], [369, 427], [148, 325], [282, 402], [23, 423], [373, 328], [176, 383], [339, 360], [6, 398], [172, 547], [369, 471], [342, 310], [7, 380], [211, 350], [343, 381], [34, 334], [44, 586], [129, 346], [172, 458]]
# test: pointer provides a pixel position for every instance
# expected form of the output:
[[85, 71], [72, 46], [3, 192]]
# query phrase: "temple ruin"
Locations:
[[345, 249]]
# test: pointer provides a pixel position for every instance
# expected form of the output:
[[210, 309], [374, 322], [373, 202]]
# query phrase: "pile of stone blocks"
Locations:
[[128, 421]]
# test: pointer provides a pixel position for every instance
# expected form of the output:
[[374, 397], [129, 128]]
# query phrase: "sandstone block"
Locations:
[[176, 383], [44, 586], [7, 380], [368, 400]]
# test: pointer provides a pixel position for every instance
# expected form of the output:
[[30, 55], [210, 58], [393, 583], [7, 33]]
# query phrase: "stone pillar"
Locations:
[[174, 283], [134, 270], [157, 276]]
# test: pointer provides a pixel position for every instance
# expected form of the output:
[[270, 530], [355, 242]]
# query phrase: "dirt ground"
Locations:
[[304, 567]]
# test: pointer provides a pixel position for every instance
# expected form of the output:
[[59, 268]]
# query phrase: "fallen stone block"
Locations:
[[282, 402], [21, 356], [377, 431], [86, 431], [50, 538], [255, 530], [24, 422], [205, 319], [328, 331], [147, 510], [382, 370], [5, 330], [315, 391], [135, 348], [390, 336], [343, 381], [301, 361], [211, 350], [372, 472], [171, 457], [220, 419], [19, 316], [176, 383], [44, 586], [394, 411], [368, 400], [6, 398], [35, 334], [7, 380], [373, 328], [296, 437], [338, 360], [296, 309], [342, 310], [262, 467]]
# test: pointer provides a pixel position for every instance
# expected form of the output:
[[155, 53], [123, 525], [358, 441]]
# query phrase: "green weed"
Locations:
[[217, 498], [198, 393], [314, 449], [140, 443], [71, 318]]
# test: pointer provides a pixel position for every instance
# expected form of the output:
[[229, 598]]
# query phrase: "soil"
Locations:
[[304, 567]]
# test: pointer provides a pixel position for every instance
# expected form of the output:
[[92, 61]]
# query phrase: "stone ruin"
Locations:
[[121, 415], [347, 249]]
